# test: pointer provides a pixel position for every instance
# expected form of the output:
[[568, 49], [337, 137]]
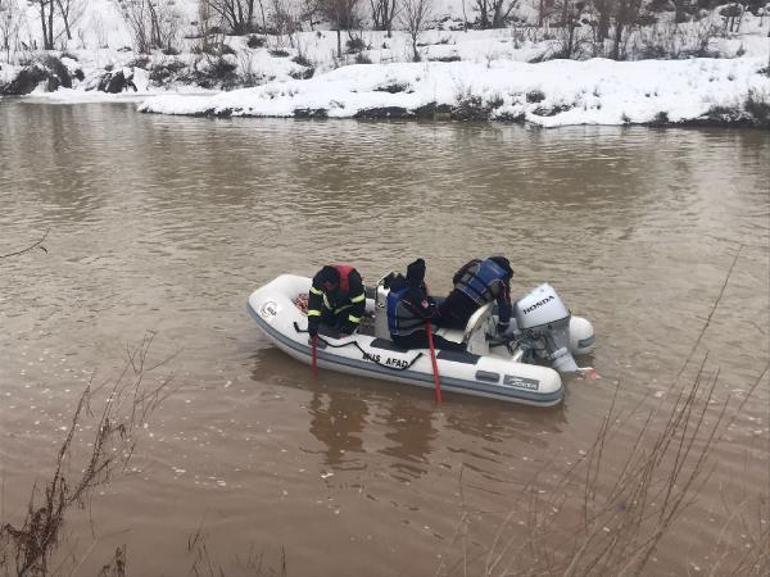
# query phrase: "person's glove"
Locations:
[[312, 329]]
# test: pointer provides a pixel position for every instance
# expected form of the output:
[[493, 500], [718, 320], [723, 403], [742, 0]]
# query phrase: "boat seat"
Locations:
[[454, 335], [476, 322], [475, 334]]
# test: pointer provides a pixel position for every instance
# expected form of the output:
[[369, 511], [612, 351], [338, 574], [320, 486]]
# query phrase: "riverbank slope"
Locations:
[[549, 94]]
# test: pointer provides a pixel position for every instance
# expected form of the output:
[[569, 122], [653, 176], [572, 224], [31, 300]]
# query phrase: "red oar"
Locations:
[[433, 360], [314, 340]]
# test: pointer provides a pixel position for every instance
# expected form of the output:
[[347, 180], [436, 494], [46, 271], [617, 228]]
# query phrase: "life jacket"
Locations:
[[344, 271], [401, 321], [482, 282]]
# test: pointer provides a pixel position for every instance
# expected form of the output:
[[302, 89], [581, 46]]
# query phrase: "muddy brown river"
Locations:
[[166, 225]]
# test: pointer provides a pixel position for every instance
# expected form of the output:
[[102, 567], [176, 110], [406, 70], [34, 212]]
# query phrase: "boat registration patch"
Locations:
[[520, 383], [394, 362], [269, 310]]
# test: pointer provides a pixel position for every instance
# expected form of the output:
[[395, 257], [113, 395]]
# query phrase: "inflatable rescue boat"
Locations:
[[509, 367]]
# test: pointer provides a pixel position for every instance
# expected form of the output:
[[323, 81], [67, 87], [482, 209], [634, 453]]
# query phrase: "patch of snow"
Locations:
[[596, 91]]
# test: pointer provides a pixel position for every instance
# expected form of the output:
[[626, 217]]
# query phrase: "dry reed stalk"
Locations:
[[26, 549], [37, 244], [627, 512]]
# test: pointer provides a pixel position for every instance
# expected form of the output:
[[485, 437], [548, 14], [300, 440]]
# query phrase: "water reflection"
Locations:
[[353, 417], [412, 431], [337, 420]]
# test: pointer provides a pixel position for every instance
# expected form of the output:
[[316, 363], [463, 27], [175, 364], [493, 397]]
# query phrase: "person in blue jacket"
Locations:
[[477, 283], [410, 309]]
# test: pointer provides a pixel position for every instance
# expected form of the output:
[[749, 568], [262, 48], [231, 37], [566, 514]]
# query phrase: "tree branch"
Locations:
[[34, 245]]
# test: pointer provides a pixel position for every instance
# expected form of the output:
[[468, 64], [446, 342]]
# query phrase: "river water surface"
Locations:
[[166, 224]]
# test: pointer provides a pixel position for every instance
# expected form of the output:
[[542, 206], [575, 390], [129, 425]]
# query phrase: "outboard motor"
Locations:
[[543, 327]]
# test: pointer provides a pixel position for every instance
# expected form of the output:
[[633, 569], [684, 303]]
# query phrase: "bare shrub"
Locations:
[[45, 11], [152, 24], [626, 13], [284, 20], [672, 41], [70, 11], [494, 13], [732, 16], [383, 14], [256, 42], [414, 18], [757, 106], [342, 15], [250, 75], [205, 563], [472, 107], [626, 509], [126, 404], [206, 19], [569, 39], [10, 24], [238, 15], [600, 23], [612, 20], [523, 34]]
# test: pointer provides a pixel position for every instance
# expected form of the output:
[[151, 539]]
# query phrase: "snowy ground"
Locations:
[[554, 93], [474, 74]]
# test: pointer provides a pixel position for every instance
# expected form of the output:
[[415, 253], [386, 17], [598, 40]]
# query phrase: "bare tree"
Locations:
[[70, 11], [681, 9], [570, 12], [342, 15], [732, 14], [283, 19], [383, 14], [237, 14], [10, 22], [309, 10], [626, 14], [414, 18], [45, 9], [153, 24], [494, 13], [603, 10], [205, 20], [545, 9]]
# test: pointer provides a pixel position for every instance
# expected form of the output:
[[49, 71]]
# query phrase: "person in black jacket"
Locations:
[[410, 309], [477, 283], [336, 300]]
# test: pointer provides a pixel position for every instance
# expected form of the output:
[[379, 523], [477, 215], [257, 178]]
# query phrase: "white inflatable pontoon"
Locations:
[[543, 330]]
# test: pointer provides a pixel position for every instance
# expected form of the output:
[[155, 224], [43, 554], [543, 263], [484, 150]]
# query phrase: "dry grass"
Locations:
[[626, 508], [252, 563], [26, 548]]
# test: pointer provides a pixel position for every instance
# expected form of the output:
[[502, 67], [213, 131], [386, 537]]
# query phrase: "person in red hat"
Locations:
[[337, 300]]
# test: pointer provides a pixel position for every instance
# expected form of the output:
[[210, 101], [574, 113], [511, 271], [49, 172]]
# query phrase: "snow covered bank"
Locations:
[[549, 94]]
